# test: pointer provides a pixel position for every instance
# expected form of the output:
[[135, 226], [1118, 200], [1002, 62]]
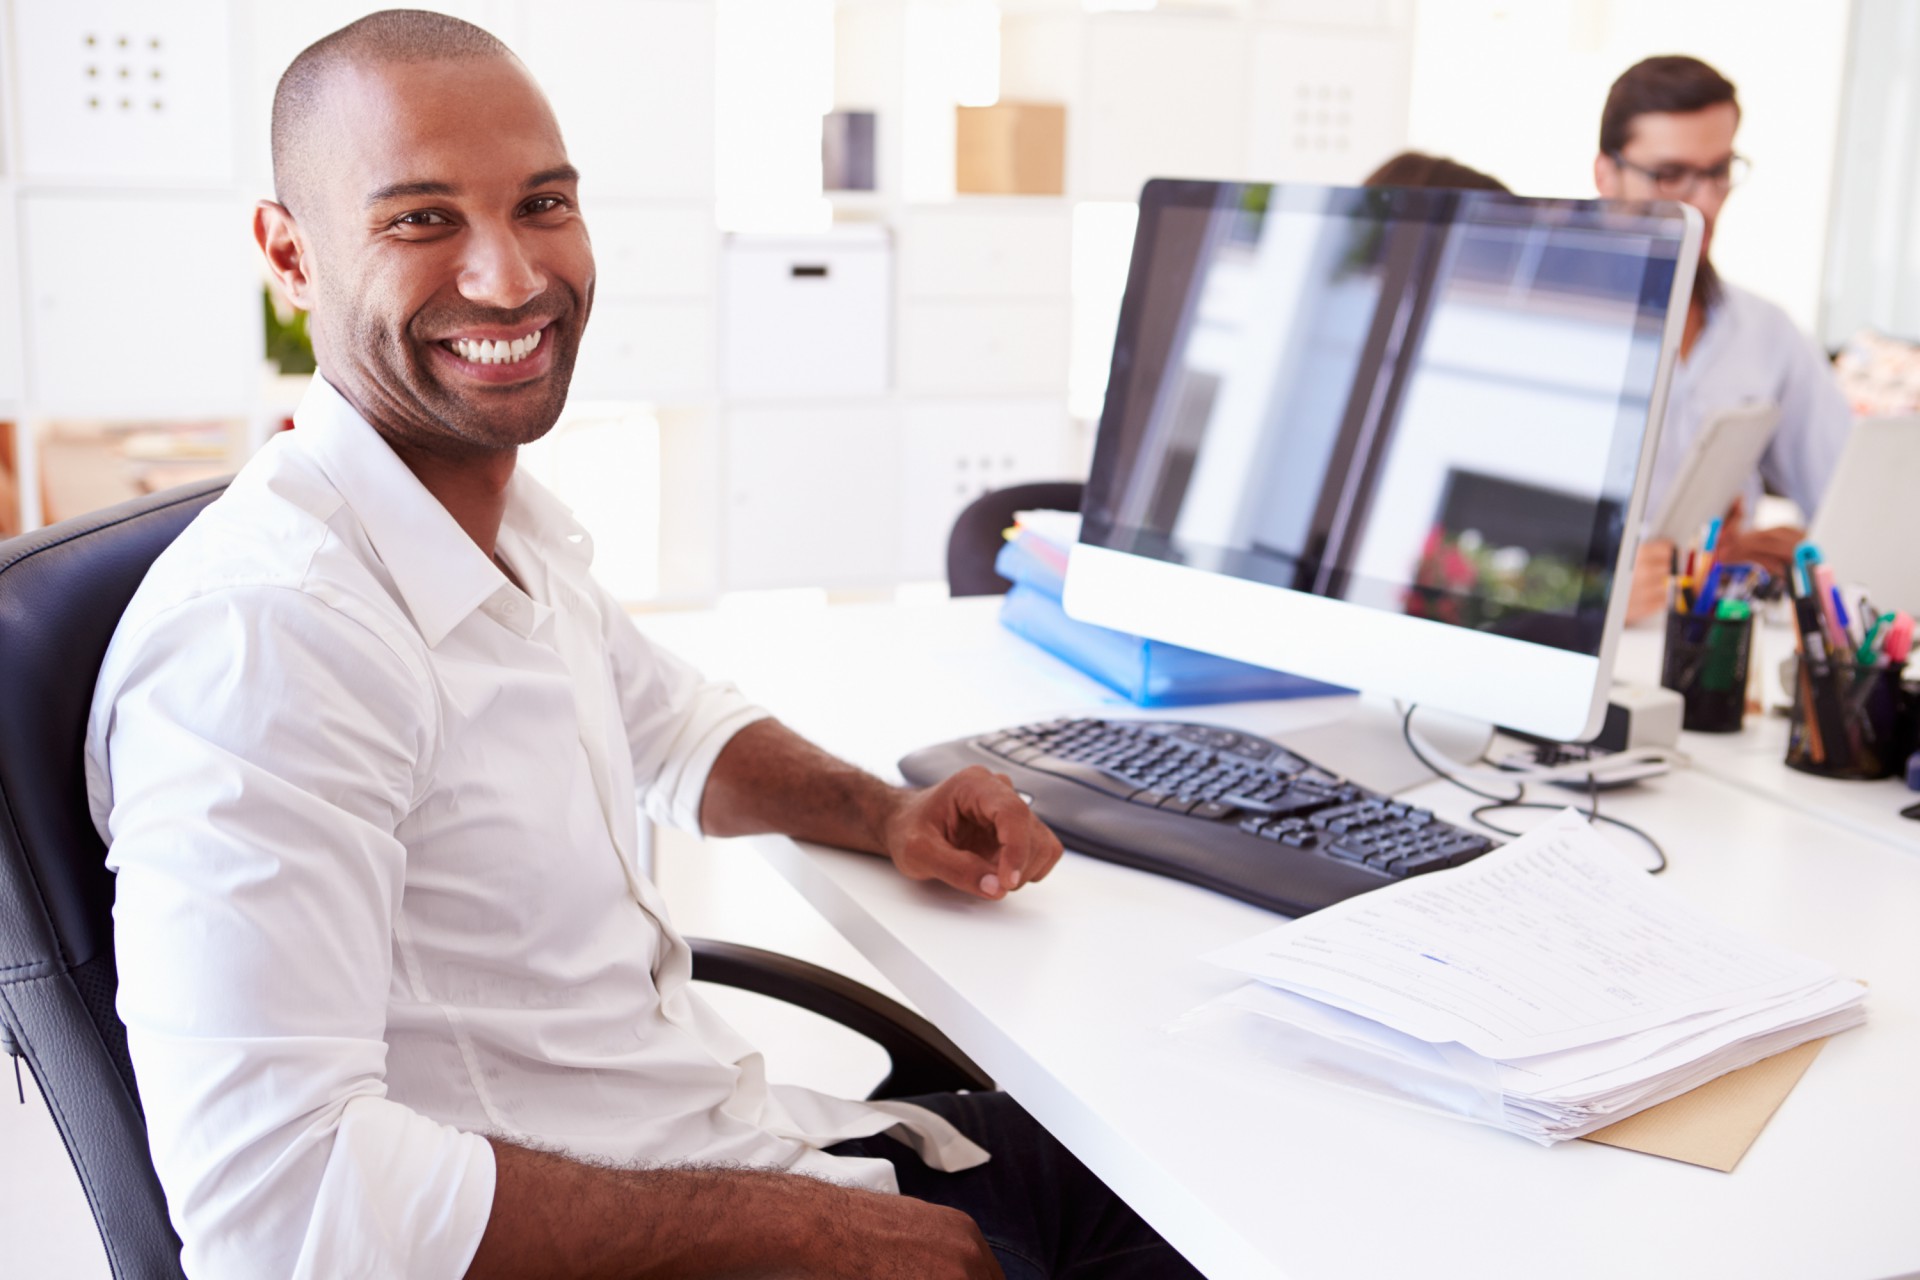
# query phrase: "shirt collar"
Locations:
[[442, 576]]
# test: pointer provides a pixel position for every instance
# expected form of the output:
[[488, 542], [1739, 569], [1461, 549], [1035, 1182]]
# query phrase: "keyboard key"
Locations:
[[1349, 852], [1098, 779], [1414, 864]]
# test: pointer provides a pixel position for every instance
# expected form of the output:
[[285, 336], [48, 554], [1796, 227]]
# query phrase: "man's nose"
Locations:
[[499, 271]]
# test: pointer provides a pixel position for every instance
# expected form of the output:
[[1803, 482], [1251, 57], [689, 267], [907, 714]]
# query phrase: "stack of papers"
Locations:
[[1549, 987]]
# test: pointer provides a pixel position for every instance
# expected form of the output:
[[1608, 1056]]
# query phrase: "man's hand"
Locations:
[[1651, 566], [1771, 549], [973, 832], [883, 1237]]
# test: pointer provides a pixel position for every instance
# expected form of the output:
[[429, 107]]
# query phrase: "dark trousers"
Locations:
[[1044, 1214]]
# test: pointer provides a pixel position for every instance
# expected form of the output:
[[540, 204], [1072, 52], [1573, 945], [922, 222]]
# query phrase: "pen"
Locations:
[[1708, 541], [1899, 640], [1805, 557], [1866, 653], [1709, 592], [1813, 661], [1828, 601], [1860, 612]]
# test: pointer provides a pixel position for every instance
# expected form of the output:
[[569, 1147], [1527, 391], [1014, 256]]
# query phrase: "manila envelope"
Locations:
[[1714, 1124]]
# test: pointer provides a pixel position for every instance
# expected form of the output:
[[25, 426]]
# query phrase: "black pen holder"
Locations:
[[1849, 721], [1706, 664]]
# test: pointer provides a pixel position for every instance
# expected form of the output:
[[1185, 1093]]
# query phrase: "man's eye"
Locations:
[[545, 204], [423, 218], [1672, 177]]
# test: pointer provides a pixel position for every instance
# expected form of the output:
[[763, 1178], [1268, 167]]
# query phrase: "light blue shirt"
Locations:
[[1750, 353]]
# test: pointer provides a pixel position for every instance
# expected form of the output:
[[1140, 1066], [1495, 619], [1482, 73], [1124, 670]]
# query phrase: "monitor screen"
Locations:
[[1428, 406]]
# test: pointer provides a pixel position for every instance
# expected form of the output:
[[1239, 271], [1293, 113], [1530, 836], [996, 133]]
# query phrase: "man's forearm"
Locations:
[[769, 778], [555, 1218], [972, 831]]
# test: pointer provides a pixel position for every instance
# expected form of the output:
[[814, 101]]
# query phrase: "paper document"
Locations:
[[1550, 987], [1553, 941]]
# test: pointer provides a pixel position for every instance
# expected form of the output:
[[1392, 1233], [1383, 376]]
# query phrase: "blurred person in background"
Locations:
[[1667, 133], [1418, 169]]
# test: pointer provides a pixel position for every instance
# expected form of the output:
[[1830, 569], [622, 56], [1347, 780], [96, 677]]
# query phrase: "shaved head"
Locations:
[[390, 36]]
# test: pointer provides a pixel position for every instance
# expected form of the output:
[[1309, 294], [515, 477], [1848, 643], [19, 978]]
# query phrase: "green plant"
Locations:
[[287, 342]]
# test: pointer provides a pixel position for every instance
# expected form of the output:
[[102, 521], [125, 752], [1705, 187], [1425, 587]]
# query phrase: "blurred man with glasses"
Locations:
[[1667, 133]]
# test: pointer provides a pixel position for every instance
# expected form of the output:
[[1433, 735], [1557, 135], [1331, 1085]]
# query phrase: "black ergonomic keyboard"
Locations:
[[1213, 806]]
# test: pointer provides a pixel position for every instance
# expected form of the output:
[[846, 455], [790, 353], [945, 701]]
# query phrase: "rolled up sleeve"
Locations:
[[677, 721], [255, 750]]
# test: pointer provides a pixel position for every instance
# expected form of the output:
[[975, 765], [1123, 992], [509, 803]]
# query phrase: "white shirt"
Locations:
[[1751, 353], [373, 813]]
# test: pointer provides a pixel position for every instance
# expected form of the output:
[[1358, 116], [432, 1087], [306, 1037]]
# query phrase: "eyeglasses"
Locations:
[[1677, 181]]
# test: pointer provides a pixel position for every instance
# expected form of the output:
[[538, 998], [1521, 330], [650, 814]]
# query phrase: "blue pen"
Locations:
[[1840, 613], [1713, 536], [1709, 593]]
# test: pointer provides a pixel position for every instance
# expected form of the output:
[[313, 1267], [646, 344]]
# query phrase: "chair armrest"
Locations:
[[923, 1060]]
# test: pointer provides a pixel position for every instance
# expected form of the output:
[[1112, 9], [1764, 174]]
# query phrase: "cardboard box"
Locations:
[[9, 484], [1011, 148]]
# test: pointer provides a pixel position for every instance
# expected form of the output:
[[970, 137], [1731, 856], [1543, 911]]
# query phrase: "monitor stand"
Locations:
[[1366, 745]]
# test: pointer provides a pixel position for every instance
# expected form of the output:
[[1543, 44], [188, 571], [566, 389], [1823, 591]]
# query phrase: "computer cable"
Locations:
[[1519, 800]]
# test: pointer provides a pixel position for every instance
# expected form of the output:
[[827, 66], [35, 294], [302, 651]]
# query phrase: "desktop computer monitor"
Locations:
[[1394, 439]]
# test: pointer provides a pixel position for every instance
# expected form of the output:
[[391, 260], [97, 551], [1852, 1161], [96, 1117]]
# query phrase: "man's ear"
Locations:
[[285, 247], [1606, 176]]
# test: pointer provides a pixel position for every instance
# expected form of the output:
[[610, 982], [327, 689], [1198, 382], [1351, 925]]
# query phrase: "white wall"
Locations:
[[1516, 89]]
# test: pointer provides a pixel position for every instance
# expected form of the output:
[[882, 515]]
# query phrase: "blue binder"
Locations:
[[1149, 673]]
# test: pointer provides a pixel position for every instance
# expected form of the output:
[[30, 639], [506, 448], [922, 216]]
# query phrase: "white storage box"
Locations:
[[806, 316]]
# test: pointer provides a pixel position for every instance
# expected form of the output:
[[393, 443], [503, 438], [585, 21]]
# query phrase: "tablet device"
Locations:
[[1717, 469], [1719, 464], [1862, 526]]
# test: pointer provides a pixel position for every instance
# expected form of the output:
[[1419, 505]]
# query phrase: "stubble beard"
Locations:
[[405, 397]]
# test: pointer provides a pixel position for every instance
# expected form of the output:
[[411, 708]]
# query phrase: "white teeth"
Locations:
[[501, 352]]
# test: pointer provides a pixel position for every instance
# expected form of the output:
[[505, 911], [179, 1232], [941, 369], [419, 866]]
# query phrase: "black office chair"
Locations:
[[978, 532], [62, 591]]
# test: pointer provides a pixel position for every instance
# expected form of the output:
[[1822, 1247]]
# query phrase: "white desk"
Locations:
[[1061, 993]]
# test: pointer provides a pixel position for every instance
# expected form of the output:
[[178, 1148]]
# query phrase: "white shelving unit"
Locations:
[[131, 297], [983, 303]]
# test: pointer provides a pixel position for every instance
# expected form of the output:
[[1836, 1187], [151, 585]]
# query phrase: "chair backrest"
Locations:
[[62, 591], [976, 538]]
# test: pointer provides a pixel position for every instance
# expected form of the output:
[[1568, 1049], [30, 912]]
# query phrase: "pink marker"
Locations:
[[1899, 640], [1824, 591]]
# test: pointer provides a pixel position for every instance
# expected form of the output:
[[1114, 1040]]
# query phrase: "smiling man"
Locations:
[[368, 749], [1667, 133]]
